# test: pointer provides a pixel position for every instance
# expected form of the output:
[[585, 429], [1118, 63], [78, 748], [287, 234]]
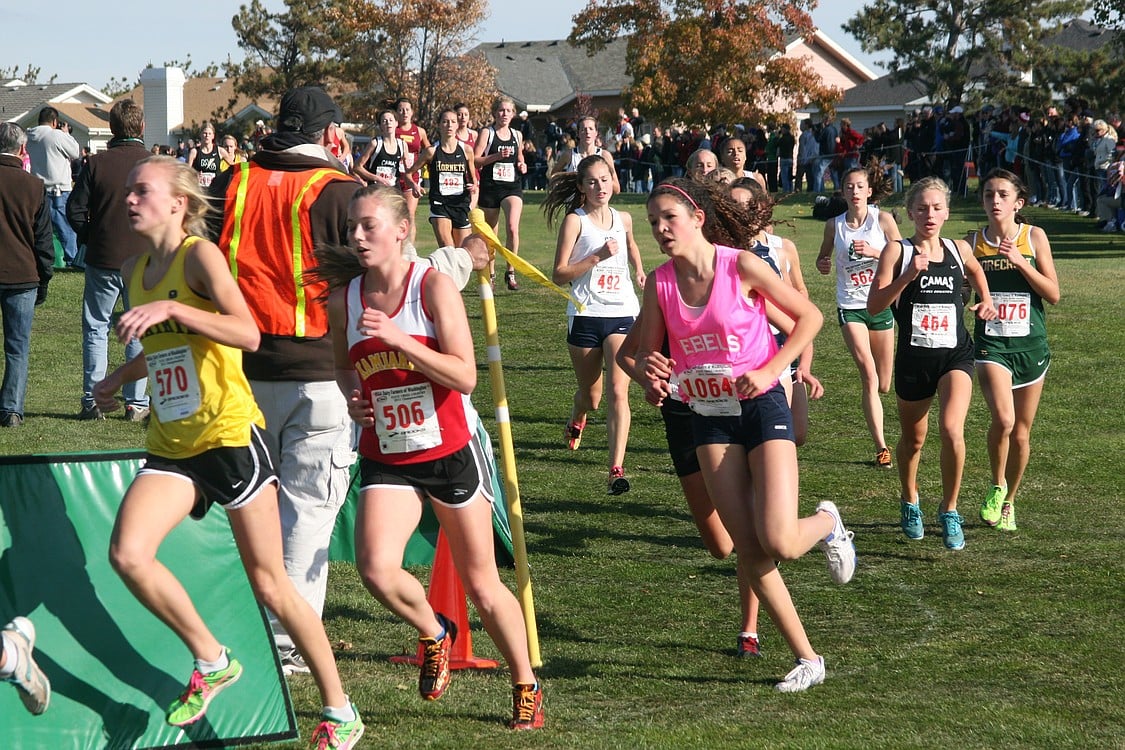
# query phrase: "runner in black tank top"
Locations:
[[452, 180], [382, 162], [922, 277], [499, 155], [205, 158]]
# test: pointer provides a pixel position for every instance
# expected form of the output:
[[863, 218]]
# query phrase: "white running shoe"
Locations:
[[292, 662], [807, 673], [32, 685], [838, 546]]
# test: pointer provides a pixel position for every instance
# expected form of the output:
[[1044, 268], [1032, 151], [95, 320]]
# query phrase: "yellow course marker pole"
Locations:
[[507, 450]]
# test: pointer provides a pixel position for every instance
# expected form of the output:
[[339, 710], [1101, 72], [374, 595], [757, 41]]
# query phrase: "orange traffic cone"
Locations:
[[447, 596]]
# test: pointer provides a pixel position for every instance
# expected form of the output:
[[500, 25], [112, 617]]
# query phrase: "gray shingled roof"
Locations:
[[15, 101], [881, 93], [549, 73], [1081, 36]]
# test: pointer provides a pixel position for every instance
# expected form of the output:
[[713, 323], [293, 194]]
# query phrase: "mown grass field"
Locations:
[[1014, 642]]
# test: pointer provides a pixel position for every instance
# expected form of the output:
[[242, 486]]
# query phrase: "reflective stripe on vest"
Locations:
[[296, 241]]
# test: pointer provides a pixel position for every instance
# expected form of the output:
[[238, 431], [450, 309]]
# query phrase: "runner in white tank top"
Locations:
[[855, 240], [593, 254]]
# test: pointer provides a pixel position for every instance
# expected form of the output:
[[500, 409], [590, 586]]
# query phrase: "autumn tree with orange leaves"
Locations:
[[417, 49], [708, 61], [367, 52]]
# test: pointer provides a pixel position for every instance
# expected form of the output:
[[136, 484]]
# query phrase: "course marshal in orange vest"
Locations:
[[267, 236]]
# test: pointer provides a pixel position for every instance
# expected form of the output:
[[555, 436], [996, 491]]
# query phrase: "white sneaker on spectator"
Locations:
[[1110, 227]]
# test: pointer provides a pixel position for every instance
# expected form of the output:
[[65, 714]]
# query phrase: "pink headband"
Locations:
[[682, 192]]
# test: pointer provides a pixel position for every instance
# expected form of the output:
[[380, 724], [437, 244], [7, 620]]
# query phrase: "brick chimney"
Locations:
[[163, 103]]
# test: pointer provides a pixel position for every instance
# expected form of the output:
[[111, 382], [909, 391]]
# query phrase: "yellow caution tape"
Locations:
[[481, 227]]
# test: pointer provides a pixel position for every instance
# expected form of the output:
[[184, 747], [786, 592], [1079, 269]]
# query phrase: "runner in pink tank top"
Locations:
[[715, 303], [731, 330]]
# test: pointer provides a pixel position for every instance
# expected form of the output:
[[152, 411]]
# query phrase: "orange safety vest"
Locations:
[[267, 237]]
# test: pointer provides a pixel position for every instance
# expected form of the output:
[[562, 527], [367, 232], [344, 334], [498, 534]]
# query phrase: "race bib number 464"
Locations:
[[934, 326]]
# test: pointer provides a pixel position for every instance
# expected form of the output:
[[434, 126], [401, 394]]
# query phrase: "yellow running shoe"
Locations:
[[990, 508], [200, 691], [1007, 517]]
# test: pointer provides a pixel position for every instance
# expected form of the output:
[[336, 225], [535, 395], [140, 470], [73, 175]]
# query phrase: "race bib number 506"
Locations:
[[405, 418]]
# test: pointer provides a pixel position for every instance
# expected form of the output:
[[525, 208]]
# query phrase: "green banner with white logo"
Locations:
[[114, 668]]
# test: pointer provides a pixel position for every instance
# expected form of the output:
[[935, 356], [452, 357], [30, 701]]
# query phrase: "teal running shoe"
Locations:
[[951, 532], [912, 520]]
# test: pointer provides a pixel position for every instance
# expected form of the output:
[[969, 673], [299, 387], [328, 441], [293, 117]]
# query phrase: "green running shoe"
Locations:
[[951, 532], [200, 691], [912, 520], [990, 508], [338, 735], [1007, 517]]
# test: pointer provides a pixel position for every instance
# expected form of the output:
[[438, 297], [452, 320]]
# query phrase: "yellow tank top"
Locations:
[[199, 395]]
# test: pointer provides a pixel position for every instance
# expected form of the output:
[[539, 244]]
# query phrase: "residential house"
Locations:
[[547, 77], [880, 100], [176, 106], [85, 108]]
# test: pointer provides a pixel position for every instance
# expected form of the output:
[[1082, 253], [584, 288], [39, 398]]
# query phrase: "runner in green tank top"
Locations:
[[1012, 355]]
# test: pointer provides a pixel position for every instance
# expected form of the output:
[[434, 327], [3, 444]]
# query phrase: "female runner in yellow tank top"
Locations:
[[205, 444]]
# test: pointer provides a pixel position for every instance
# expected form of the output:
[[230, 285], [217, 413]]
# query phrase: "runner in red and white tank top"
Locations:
[[415, 139], [416, 419], [468, 136], [404, 358]]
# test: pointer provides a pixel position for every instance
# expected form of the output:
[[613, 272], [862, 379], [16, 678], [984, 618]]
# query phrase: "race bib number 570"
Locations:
[[174, 384]]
